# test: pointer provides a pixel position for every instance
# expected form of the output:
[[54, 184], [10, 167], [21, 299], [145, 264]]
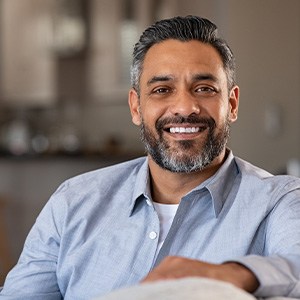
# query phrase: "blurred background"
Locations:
[[64, 77]]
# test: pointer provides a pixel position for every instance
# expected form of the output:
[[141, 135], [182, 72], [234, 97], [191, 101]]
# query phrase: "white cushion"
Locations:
[[180, 289]]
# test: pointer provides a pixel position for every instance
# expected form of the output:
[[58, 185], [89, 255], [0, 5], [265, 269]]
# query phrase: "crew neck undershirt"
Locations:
[[166, 214]]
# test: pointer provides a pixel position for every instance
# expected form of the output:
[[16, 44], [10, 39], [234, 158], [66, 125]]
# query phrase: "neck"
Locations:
[[168, 187]]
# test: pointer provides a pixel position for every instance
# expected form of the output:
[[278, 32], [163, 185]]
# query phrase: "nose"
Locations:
[[185, 104]]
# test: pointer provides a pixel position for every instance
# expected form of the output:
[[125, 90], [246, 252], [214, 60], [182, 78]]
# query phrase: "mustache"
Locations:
[[192, 119]]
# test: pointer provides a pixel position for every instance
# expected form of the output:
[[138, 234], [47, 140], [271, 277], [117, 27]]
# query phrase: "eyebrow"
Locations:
[[163, 78], [195, 77], [204, 77]]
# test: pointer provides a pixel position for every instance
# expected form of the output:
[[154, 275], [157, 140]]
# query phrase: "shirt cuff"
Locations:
[[274, 274]]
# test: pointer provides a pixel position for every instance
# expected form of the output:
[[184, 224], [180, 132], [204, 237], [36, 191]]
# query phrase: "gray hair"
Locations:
[[183, 29]]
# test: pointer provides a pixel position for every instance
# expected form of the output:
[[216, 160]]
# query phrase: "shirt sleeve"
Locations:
[[34, 276], [278, 271]]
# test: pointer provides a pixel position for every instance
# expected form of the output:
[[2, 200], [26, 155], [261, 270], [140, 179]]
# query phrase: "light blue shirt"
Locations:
[[100, 231]]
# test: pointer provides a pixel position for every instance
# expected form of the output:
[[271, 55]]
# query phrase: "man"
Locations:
[[190, 208]]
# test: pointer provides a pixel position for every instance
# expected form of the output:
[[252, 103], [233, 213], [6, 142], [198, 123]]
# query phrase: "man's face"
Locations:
[[184, 108]]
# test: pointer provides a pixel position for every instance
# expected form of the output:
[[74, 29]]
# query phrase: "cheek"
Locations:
[[220, 114], [222, 118], [150, 114], [222, 109]]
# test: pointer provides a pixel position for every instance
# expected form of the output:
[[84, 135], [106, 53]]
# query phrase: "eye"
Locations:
[[161, 90], [206, 90]]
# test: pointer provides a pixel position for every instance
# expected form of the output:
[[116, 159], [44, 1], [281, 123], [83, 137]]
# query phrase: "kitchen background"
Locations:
[[64, 77]]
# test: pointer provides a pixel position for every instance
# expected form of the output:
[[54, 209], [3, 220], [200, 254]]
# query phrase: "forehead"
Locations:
[[182, 59]]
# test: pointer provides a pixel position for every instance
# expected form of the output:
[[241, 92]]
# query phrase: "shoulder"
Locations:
[[95, 192], [113, 174], [254, 176], [96, 187]]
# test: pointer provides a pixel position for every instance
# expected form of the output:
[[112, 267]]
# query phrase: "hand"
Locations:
[[173, 267]]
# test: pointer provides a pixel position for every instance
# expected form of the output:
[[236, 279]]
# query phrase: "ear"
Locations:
[[134, 103], [234, 103]]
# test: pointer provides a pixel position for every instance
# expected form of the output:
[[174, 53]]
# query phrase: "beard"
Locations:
[[188, 156]]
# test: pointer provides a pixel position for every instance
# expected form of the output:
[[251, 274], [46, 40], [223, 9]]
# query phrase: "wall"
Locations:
[[265, 37]]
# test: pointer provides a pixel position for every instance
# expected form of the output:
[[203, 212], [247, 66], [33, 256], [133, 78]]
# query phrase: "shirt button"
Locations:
[[152, 235]]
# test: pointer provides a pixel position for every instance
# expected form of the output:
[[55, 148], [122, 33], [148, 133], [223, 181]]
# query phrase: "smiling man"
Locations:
[[190, 208], [184, 107]]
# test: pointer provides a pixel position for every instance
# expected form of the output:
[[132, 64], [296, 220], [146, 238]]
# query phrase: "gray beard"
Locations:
[[180, 160]]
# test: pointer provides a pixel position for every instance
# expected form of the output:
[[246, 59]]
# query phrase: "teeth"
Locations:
[[184, 129]]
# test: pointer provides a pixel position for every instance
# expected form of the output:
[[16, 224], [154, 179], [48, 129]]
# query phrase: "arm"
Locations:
[[34, 276], [178, 267], [278, 271]]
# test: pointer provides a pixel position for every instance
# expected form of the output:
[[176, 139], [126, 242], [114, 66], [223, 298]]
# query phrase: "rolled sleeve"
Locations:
[[277, 276]]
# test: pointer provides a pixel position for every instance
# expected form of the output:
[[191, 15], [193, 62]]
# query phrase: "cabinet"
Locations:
[[27, 65], [115, 27], [35, 34]]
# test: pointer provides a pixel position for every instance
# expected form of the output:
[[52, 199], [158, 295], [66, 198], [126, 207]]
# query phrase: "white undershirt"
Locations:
[[166, 214]]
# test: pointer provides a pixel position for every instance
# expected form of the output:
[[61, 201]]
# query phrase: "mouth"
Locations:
[[185, 129]]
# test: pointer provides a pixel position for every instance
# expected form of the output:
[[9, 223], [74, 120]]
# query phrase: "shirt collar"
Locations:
[[219, 185], [141, 188]]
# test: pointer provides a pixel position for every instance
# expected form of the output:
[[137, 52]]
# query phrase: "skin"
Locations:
[[186, 78]]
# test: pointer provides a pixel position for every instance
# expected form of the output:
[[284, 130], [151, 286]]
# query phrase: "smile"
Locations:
[[184, 129]]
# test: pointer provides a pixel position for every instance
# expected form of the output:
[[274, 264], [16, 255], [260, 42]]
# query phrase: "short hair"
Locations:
[[183, 29]]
